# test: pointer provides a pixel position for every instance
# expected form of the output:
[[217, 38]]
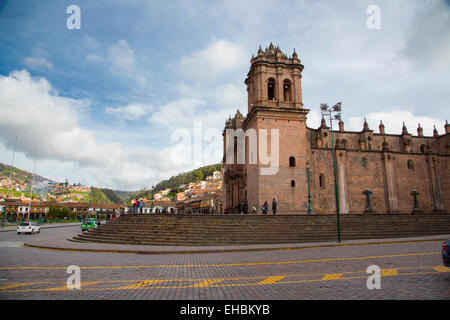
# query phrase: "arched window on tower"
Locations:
[[410, 164], [422, 148], [271, 89], [292, 162], [293, 183], [287, 90]]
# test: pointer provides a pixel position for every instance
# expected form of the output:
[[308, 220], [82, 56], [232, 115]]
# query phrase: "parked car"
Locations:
[[87, 224], [28, 227], [446, 253]]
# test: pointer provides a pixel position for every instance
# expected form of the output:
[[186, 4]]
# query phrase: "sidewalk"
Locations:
[[44, 226], [72, 245]]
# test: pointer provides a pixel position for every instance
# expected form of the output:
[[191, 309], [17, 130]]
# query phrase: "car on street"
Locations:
[[88, 223], [28, 227], [446, 253]]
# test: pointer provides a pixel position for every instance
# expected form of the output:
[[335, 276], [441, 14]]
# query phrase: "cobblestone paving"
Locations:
[[409, 271]]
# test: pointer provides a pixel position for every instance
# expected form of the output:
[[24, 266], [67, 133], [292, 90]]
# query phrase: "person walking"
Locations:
[[240, 208], [254, 209], [245, 207], [274, 206]]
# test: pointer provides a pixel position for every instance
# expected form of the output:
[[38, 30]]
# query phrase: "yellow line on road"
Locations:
[[146, 285], [332, 276], [84, 284], [139, 285], [229, 264], [389, 272], [441, 269], [205, 283], [271, 280], [22, 284]]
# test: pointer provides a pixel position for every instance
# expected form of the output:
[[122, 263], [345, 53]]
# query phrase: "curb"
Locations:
[[49, 227], [197, 251]]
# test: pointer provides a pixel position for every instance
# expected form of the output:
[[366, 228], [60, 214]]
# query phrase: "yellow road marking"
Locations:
[[271, 280], [389, 272], [332, 276], [230, 264], [441, 269], [139, 285], [205, 283], [22, 284], [83, 284], [208, 282], [212, 283]]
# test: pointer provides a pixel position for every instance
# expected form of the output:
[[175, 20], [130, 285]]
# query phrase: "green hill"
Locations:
[[97, 196], [111, 195], [175, 181]]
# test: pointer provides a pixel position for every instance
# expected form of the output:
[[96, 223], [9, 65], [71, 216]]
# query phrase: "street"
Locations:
[[408, 271]]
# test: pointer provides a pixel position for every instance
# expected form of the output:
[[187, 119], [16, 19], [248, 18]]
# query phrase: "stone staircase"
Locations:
[[210, 230]]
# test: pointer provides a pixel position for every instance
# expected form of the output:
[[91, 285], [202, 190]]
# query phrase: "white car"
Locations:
[[28, 227]]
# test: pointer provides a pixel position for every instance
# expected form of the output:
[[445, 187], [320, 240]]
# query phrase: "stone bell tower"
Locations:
[[274, 80], [275, 108]]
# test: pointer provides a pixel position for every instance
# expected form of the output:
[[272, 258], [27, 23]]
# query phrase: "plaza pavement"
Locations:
[[67, 244], [410, 269]]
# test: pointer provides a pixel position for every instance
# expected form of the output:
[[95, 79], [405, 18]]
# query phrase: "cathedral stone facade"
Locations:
[[398, 173]]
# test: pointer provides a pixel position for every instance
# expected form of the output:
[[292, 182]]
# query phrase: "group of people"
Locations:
[[243, 208], [138, 205]]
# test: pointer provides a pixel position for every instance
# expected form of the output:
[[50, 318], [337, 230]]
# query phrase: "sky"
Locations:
[[108, 104]]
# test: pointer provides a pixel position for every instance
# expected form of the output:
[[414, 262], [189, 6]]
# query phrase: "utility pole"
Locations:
[[9, 183], [31, 191], [10, 170], [327, 111]]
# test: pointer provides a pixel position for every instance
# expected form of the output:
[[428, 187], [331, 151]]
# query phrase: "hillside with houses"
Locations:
[[197, 191]]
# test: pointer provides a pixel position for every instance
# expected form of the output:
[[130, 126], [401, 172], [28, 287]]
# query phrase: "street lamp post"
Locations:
[[151, 208], [309, 189], [328, 111]]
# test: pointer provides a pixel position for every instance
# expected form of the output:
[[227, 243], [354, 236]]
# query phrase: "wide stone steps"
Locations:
[[207, 230]]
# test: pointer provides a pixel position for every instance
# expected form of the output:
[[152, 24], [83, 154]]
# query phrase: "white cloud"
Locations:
[[123, 62], [230, 96], [122, 56], [38, 60], [218, 58], [131, 112], [91, 57], [175, 113], [393, 122], [49, 128]]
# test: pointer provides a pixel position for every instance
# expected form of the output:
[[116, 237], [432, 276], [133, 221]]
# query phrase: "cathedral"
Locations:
[[376, 172]]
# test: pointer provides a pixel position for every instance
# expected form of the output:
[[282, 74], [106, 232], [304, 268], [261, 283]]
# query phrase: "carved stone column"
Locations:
[[390, 190], [436, 190], [342, 181]]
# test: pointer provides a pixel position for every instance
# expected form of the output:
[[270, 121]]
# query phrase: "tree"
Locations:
[[60, 213], [198, 175]]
